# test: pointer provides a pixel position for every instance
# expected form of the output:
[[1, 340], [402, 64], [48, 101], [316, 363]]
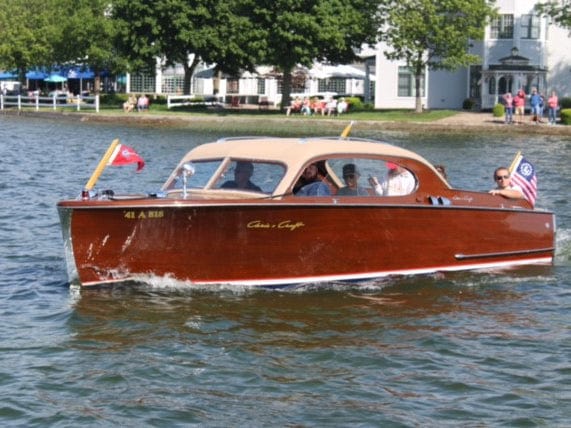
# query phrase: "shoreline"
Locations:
[[463, 122]]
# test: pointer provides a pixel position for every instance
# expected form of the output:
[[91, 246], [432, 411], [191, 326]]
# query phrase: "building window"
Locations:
[[261, 86], [142, 83], [407, 86], [172, 84], [502, 27], [529, 27], [232, 86], [334, 84], [492, 86]]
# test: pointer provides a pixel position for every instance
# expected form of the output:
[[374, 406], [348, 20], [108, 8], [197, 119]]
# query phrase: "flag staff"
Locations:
[[102, 164], [515, 161], [347, 130]]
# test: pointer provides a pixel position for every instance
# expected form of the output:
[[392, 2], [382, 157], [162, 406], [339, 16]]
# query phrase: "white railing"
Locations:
[[52, 102]]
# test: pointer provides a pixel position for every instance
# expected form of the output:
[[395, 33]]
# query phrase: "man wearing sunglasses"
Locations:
[[351, 177], [504, 185]]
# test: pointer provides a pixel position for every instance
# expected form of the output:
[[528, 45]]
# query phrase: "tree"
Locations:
[[88, 37], [28, 30], [182, 32], [431, 34], [559, 11], [300, 32]]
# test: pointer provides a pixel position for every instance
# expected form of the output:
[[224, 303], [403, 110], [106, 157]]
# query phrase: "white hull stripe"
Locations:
[[347, 277]]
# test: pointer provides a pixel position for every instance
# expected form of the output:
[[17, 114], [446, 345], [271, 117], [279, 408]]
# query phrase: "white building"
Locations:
[[520, 49]]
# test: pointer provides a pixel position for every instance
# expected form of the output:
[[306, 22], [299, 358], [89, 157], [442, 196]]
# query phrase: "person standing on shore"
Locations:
[[519, 104], [509, 107], [553, 104], [535, 103]]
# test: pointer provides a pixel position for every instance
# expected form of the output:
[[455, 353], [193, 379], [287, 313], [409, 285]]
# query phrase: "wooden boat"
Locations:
[[203, 229]]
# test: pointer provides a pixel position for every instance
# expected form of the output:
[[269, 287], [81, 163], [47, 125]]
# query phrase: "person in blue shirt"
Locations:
[[535, 102], [351, 177], [312, 183]]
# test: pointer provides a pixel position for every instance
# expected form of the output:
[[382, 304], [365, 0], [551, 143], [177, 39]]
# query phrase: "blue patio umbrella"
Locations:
[[77, 73], [36, 75], [8, 75], [55, 78]]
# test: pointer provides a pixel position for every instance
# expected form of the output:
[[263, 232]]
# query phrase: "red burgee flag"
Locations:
[[523, 174], [125, 155]]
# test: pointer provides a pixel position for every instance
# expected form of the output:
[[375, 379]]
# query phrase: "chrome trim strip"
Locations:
[[502, 254]]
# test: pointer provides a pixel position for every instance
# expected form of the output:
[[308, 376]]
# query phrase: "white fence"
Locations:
[[191, 100], [52, 102]]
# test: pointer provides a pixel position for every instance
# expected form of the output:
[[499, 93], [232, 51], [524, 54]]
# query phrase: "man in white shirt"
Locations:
[[398, 182], [505, 187]]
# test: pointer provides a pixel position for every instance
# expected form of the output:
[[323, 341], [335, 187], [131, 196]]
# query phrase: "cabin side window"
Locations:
[[248, 175], [372, 177]]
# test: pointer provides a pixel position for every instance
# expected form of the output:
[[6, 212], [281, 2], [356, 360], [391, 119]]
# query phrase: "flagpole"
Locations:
[[347, 130], [102, 165], [515, 161]]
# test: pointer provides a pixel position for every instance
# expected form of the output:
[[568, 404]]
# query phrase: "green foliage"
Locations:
[[560, 12], [29, 30], [159, 100], [565, 103], [116, 100], [499, 110], [468, 104], [355, 104], [566, 116], [295, 32]]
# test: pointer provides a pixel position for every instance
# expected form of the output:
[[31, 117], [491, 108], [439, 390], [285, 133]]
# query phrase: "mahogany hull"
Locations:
[[274, 243]]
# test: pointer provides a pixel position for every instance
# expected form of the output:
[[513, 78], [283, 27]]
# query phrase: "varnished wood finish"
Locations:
[[290, 239]]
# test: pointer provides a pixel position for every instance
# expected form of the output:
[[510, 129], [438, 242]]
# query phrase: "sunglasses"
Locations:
[[502, 177], [349, 176]]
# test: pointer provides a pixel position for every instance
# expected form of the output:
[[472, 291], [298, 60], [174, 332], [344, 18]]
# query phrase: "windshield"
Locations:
[[237, 174]]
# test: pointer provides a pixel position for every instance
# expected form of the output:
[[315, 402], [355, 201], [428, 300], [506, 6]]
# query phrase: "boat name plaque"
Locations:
[[286, 224]]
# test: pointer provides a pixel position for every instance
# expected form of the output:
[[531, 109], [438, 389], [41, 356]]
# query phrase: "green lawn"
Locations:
[[373, 115]]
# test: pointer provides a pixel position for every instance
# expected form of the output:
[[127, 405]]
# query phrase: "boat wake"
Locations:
[[563, 247]]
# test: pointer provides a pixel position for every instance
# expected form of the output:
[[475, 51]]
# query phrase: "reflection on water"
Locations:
[[476, 348]]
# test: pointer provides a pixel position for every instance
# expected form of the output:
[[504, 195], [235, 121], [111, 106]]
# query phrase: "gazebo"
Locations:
[[512, 73]]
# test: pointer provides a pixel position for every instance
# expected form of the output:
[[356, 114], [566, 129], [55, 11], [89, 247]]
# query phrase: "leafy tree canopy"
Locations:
[[292, 32], [559, 11], [28, 30], [182, 32]]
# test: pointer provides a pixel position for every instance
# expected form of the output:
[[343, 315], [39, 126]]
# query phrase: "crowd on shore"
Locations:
[[515, 105], [310, 106]]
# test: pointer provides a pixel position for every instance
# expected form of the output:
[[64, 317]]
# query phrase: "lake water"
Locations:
[[478, 349]]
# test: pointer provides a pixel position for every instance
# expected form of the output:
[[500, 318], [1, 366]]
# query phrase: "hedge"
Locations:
[[566, 116]]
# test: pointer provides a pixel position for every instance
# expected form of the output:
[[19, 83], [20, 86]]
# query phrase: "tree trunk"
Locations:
[[286, 89], [97, 83], [418, 100], [188, 72]]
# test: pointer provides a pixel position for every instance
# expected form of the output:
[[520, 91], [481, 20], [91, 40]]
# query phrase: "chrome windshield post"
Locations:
[[188, 170]]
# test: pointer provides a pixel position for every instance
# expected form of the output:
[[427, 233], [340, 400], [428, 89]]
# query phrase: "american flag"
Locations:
[[523, 174]]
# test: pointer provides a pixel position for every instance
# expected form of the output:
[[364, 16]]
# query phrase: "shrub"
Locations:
[[113, 99], [468, 104], [499, 110], [355, 103], [566, 116], [159, 99], [565, 103]]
